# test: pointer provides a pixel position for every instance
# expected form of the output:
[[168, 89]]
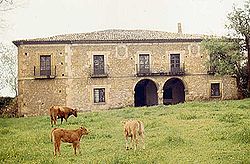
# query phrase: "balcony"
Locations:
[[45, 74], [150, 72], [99, 73], [177, 71], [211, 70]]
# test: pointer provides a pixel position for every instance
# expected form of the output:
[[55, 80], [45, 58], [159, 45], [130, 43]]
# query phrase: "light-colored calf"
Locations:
[[132, 128]]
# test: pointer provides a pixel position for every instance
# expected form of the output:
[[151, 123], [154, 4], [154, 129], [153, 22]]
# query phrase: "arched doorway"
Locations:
[[173, 91], [145, 93]]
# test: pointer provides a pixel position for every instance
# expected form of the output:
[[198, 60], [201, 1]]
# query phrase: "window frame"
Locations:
[[142, 67], [218, 89], [96, 70], [100, 99], [45, 71], [174, 63]]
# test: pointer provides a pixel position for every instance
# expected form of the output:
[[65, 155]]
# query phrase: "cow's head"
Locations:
[[84, 131], [74, 112]]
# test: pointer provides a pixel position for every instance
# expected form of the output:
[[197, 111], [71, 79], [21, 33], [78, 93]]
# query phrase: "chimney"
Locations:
[[179, 28]]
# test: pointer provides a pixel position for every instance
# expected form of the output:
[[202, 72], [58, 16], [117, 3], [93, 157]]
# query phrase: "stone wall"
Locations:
[[73, 85]]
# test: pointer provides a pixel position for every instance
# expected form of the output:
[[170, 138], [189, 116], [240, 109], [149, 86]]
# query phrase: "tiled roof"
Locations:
[[113, 35]]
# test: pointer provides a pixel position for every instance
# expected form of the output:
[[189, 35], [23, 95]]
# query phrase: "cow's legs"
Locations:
[[135, 142], [126, 140], [74, 146], [51, 121], [55, 149], [55, 120], [78, 147], [61, 120], [131, 142], [142, 139], [58, 147], [134, 138], [66, 117]]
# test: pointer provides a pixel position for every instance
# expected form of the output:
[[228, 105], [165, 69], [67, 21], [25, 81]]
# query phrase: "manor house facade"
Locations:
[[115, 68]]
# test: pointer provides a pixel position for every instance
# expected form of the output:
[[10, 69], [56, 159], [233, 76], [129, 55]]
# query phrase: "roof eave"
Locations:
[[28, 42]]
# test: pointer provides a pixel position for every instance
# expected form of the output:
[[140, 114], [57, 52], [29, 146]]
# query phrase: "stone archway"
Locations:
[[173, 91], [145, 93]]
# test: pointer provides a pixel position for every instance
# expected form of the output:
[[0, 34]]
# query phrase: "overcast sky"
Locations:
[[41, 18]]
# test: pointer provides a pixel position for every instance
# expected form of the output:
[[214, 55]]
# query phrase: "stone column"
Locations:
[[160, 96]]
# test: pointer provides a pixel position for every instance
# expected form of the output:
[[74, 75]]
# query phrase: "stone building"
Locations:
[[115, 68]]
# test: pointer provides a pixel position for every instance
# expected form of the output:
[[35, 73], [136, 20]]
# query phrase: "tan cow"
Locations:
[[60, 112], [132, 128], [70, 136]]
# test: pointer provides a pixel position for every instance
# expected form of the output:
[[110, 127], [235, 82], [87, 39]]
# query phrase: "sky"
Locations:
[[43, 18]]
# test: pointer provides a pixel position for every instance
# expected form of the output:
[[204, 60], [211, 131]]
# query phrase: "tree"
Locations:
[[8, 68], [5, 5], [8, 54], [227, 58], [239, 24]]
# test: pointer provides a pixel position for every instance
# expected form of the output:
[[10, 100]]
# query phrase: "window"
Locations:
[[175, 62], [215, 89], [45, 65], [99, 95], [144, 66], [98, 64]]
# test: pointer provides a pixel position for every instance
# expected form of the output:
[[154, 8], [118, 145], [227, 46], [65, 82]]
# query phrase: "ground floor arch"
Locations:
[[173, 91], [145, 93]]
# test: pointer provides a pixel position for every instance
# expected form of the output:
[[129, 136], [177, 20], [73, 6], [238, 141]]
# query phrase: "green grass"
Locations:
[[193, 132]]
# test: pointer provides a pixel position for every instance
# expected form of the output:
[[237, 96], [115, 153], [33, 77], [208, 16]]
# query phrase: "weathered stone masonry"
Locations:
[[73, 83]]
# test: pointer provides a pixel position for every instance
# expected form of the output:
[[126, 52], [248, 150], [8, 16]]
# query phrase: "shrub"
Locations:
[[8, 107]]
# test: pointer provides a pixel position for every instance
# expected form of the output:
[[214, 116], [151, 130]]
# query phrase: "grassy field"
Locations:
[[193, 132]]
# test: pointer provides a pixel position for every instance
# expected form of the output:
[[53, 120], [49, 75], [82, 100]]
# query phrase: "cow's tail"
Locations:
[[141, 128], [52, 134]]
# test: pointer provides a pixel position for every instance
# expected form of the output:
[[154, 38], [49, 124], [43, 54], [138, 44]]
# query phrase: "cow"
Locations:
[[70, 136], [132, 128], [60, 112]]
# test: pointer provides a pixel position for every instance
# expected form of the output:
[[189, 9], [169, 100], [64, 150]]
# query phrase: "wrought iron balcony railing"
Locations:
[[149, 72], [44, 74], [211, 70], [99, 73]]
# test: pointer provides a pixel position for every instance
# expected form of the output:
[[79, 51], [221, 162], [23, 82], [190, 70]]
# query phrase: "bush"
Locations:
[[8, 107], [4, 101]]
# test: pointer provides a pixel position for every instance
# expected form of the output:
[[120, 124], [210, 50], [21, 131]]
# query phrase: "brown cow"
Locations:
[[60, 112], [131, 129], [70, 136]]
